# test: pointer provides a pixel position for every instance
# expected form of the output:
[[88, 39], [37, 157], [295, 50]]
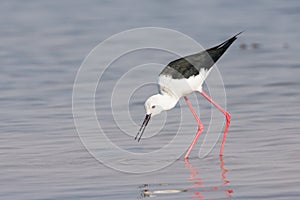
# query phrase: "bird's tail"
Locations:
[[216, 52]]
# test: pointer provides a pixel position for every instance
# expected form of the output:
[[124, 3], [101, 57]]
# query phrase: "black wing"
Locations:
[[191, 65]]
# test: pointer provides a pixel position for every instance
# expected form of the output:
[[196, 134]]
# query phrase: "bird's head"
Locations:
[[154, 106]]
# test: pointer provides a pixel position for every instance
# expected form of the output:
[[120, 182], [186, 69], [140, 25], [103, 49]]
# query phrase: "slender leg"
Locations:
[[227, 115], [200, 127]]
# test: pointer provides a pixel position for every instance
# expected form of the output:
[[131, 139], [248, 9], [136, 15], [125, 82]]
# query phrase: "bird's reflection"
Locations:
[[198, 189], [199, 183]]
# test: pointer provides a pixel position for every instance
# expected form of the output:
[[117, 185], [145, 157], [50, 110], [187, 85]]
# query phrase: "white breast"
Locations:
[[182, 87]]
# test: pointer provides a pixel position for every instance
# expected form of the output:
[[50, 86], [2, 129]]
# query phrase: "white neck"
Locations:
[[167, 101]]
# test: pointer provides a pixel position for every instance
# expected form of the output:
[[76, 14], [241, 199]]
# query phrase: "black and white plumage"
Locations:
[[192, 64], [182, 77]]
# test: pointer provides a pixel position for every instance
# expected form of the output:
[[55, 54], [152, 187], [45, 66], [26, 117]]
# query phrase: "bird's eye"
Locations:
[[153, 107]]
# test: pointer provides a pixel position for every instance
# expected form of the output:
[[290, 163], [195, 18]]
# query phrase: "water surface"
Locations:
[[42, 46]]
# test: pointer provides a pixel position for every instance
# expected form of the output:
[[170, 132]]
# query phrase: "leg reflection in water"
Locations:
[[199, 186]]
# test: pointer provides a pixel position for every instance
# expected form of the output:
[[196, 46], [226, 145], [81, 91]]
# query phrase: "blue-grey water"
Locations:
[[43, 44]]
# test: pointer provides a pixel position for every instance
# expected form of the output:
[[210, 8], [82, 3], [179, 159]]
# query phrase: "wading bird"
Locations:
[[182, 77]]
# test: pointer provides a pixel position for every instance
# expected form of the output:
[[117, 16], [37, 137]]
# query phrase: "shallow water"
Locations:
[[42, 47]]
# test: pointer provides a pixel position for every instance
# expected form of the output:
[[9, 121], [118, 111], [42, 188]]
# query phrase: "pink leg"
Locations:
[[200, 127], [227, 115]]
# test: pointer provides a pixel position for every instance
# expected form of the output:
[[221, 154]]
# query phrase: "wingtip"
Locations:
[[235, 36]]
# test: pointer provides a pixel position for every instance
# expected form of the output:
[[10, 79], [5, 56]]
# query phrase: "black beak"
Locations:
[[142, 129]]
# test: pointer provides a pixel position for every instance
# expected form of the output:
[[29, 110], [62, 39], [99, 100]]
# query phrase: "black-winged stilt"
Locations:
[[182, 77]]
